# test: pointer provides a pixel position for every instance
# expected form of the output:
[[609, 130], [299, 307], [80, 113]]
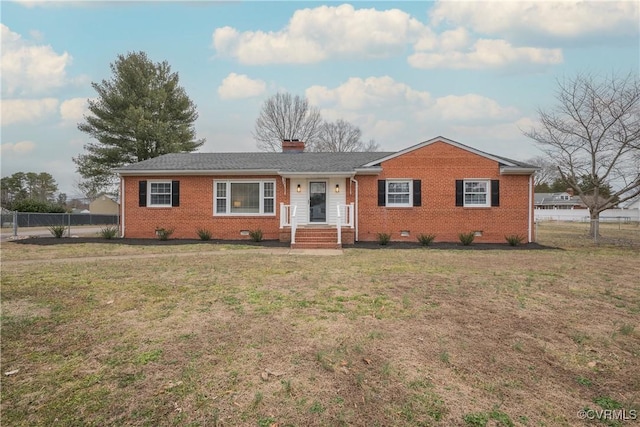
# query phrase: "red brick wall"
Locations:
[[195, 211], [439, 165]]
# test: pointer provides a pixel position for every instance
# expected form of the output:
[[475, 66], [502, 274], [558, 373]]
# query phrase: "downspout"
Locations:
[[355, 213], [530, 206], [122, 206]]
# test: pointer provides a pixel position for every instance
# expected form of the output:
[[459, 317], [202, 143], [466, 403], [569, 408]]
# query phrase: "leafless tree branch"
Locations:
[[594, 131]]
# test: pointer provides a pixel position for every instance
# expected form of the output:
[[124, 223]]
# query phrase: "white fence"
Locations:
[[582, 215]]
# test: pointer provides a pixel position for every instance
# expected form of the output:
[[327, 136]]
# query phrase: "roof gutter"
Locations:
[[315, 174], [130, 172], [515, 170], [375, 170]]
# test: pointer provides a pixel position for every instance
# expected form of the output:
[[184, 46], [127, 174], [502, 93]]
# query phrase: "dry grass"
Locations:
[[375, 337]]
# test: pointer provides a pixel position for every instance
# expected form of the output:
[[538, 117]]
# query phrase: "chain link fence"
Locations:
[[610, 231], [15, 222]]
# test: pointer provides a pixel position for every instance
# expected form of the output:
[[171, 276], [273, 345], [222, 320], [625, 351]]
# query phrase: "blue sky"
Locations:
[[404, 72]]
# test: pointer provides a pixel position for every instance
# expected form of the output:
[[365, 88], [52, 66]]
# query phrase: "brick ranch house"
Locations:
[[310, 199]]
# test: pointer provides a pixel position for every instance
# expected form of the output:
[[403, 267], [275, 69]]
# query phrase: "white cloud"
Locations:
[[27, 110], [22, 147], [383, 108], [471, 107], [372, 92], [238, 86], [387, 129], [313, 35], [30, 68], [486, 54], [73, 110], [557, 19], [58, 3]]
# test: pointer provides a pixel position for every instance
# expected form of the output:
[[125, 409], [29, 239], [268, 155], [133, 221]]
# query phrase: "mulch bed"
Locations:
[[49, 241]]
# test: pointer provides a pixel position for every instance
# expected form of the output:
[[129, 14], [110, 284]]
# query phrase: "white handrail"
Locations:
[[339, 224], [284, 215], [294, 224]]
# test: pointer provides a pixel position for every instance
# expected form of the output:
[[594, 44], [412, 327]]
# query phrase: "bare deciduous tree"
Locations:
[[547, 173], [342, 136], [593, 134], [284, 116]]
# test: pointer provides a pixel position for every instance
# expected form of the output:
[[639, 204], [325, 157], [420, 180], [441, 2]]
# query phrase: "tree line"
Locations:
[[31, 192]]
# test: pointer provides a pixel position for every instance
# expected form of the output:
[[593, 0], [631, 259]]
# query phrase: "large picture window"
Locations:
[[244, 198]]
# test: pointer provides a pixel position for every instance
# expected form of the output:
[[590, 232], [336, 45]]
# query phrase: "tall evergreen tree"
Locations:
[[140, 113]]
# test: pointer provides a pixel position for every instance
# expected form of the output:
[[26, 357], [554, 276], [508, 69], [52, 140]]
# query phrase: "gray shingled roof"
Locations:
[[277, 162], [283, 163]]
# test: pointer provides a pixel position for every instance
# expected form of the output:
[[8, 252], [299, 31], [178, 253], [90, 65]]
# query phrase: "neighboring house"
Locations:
[[564, 200], [633, 204], [104, 205], [436, 187]]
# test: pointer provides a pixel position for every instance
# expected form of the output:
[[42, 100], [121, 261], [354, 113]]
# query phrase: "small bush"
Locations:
[[384, 238], [109, 232], [514, 239], [57, 231], [204, 234], [466, 238], [426, 239], [256, 235], [164, 233]]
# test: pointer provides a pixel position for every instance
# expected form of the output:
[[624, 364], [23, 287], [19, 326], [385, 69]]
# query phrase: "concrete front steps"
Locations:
[[316, 238]]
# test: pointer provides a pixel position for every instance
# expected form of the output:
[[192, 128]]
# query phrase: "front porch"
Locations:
[[305, 235]]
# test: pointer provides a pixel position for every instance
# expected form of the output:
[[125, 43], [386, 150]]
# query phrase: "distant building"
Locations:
[[633, 204], [564, 200], [104, 205]]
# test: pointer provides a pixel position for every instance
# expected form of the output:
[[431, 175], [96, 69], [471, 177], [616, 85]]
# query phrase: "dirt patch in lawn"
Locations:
[[23, 309]]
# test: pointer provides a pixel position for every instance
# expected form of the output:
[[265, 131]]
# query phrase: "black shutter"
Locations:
[[175, 193], [417, 192], [142, 193], [459, 192], [495, 192], [382, 192]]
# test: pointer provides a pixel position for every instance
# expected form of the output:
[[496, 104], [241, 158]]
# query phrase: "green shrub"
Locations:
[[256, 235], [109, 232], [426, 239], [384, 238], [514, 239], [32, 205], [204, 234], [164, 233], [57, 230], [467, 238]]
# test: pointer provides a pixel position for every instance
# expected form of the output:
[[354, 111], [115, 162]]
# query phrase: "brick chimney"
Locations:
[[570, 191], [292, 146]]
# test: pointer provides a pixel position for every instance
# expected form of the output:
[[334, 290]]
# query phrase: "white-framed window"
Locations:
[[399, 192], [242, 197], [159, 194], [476, 193]]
